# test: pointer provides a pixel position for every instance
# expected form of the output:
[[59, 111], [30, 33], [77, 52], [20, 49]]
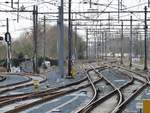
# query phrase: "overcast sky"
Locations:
[[25, 19]]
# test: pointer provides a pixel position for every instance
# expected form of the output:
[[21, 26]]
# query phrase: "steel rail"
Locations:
[[94, 90], [42, 92], [124, 103], [2, 78], [13, 84], [144, 82], [145, 77], [47, 97], [20, 85], [118, 89], [122, 106], [102, 99], [5, 100], [89, 106]]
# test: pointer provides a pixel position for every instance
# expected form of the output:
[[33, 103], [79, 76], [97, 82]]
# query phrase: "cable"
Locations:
[[134, 14], [135, 6], [106, 8]]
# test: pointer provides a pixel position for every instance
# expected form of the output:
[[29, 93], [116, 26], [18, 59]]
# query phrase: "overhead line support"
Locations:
[[130, 47], [145, 40], [69, 42]]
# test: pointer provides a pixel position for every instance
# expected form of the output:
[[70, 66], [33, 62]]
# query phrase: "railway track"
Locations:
[[2, 78], [95, 92], [28, 79], [92, 105], [123, 99], [120, 94], [18, 85], [143, 83], [46, 96], [5, 100]]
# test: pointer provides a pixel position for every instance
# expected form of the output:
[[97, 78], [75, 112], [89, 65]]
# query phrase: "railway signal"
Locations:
[[1, 38], [8, 38]]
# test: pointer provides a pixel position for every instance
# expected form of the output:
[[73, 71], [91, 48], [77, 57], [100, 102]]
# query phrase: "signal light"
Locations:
[[1, 38]]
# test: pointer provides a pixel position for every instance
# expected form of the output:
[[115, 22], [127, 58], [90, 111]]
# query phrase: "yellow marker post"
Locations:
[[73, 72], [146, 106], [36, 85]]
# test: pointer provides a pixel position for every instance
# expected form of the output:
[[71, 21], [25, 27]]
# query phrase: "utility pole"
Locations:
[[105, 45], [18, 12], [145, 40], [98, 45], [12, 2], [61, 40], [121, 4], [69, 42], [76, 43], [130, 41], [44, 38], [121, 61], [108, 33], [102, 45], [137, 41], [87, 43], [90, 3], [100, 42], [8, 40], [109, 23], [96, 38], [95, 45], [141, 51], [35, 28], [118, 10]]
